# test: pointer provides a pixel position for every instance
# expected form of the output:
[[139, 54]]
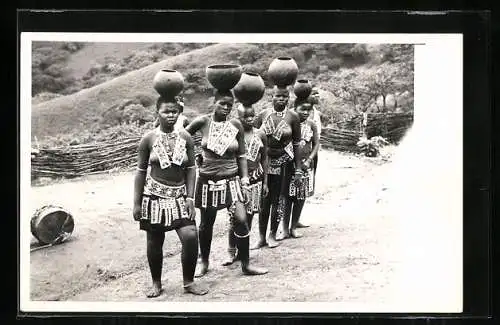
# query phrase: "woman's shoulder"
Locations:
[[292, 113], [236, 122], [185, 135], [201, 119], [265, 111], [149, 134], [147, 137]]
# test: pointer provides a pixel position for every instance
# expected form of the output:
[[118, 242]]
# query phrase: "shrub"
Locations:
[[371, 147]]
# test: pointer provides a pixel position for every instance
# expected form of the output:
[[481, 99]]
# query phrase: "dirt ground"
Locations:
[[348, 254]]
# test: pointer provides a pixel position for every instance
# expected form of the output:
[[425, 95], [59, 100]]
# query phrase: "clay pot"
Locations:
[[249, 89], [283, 71], [168, 83], [223, 76], [302, 88]]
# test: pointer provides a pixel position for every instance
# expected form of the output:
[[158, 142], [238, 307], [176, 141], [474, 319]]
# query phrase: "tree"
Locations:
[[352, 86], [388, 78]]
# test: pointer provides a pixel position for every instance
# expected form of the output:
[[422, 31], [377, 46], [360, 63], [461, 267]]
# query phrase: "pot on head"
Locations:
[[249, 89], [223, 76], [168, 83], [283, 71], [302, 88]]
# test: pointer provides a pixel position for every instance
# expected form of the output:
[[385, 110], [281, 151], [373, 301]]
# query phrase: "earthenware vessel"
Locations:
[[223, 76], [283, 71], [249, 89]]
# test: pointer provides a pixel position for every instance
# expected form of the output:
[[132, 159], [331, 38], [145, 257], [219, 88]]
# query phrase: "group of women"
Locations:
[[254, 164]]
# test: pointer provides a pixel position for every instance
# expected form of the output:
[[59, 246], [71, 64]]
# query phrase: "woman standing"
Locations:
[[163, 198], [222, 179], [256, 148], [308, 147], [282, 128]]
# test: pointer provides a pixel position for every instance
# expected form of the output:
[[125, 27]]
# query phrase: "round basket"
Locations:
[[52, 224]]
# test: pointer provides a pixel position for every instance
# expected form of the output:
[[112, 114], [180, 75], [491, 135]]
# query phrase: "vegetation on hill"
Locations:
[[51, 74], [352, 78]]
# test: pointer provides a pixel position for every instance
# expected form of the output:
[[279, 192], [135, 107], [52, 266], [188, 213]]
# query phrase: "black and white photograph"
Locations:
[[241, 173]]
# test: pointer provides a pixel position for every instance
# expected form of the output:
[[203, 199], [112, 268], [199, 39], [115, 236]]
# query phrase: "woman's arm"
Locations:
[[190, 165], [143, 152], [195, 125], [296, 136], [315, 142], [242, 150], [263, 156], [185, 122], [258, 120]]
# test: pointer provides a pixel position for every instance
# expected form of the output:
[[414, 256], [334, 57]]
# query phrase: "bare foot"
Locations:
[[195, 289], [272, 243], [295, 234], [300, 225], [259, 244], [284, 235], [231, 258], [253, 270], [155, 291], [202, 271]]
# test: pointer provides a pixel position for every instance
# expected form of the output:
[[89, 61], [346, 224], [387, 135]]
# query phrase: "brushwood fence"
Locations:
[[85, 159], [391, 126]]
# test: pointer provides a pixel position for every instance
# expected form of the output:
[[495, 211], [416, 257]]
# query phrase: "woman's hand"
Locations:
[[136, 212], [245, 190], [246, 194], [265, 190], [298, 177], [190, 208], [306, 164]]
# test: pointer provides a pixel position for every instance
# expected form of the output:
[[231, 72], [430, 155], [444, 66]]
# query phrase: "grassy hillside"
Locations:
[[352, 77], [76, 112], [79, 63]]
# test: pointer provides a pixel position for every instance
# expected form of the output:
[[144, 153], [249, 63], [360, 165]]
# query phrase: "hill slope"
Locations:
[[79, 63], [75, 112]]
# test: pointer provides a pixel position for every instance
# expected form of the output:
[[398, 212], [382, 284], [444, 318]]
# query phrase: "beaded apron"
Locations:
[[162, 204]]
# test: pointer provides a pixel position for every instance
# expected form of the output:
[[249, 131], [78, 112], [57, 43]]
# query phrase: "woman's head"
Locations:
[[303, 107], [314, 95], [223, 102], [168, 111], [280, 97], [246, 115]]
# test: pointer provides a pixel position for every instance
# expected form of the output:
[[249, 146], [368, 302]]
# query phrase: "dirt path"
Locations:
[[348, 253]]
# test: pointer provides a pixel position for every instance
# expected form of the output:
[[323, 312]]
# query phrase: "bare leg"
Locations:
[[231, 249], [155, 259], [274, 196], [315, 166], [205, 234], [297, 210], [286, 228], [189, 255], [265, 210], [242, 234]]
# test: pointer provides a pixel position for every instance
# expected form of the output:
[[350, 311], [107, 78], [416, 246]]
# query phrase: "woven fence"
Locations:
[[85, 159], [79, 160], [391, 126]]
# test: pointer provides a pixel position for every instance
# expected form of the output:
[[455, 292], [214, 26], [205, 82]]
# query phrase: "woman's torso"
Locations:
[[278, 130], [254, 145], [174, 145], [306, 138], [217, 163]]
